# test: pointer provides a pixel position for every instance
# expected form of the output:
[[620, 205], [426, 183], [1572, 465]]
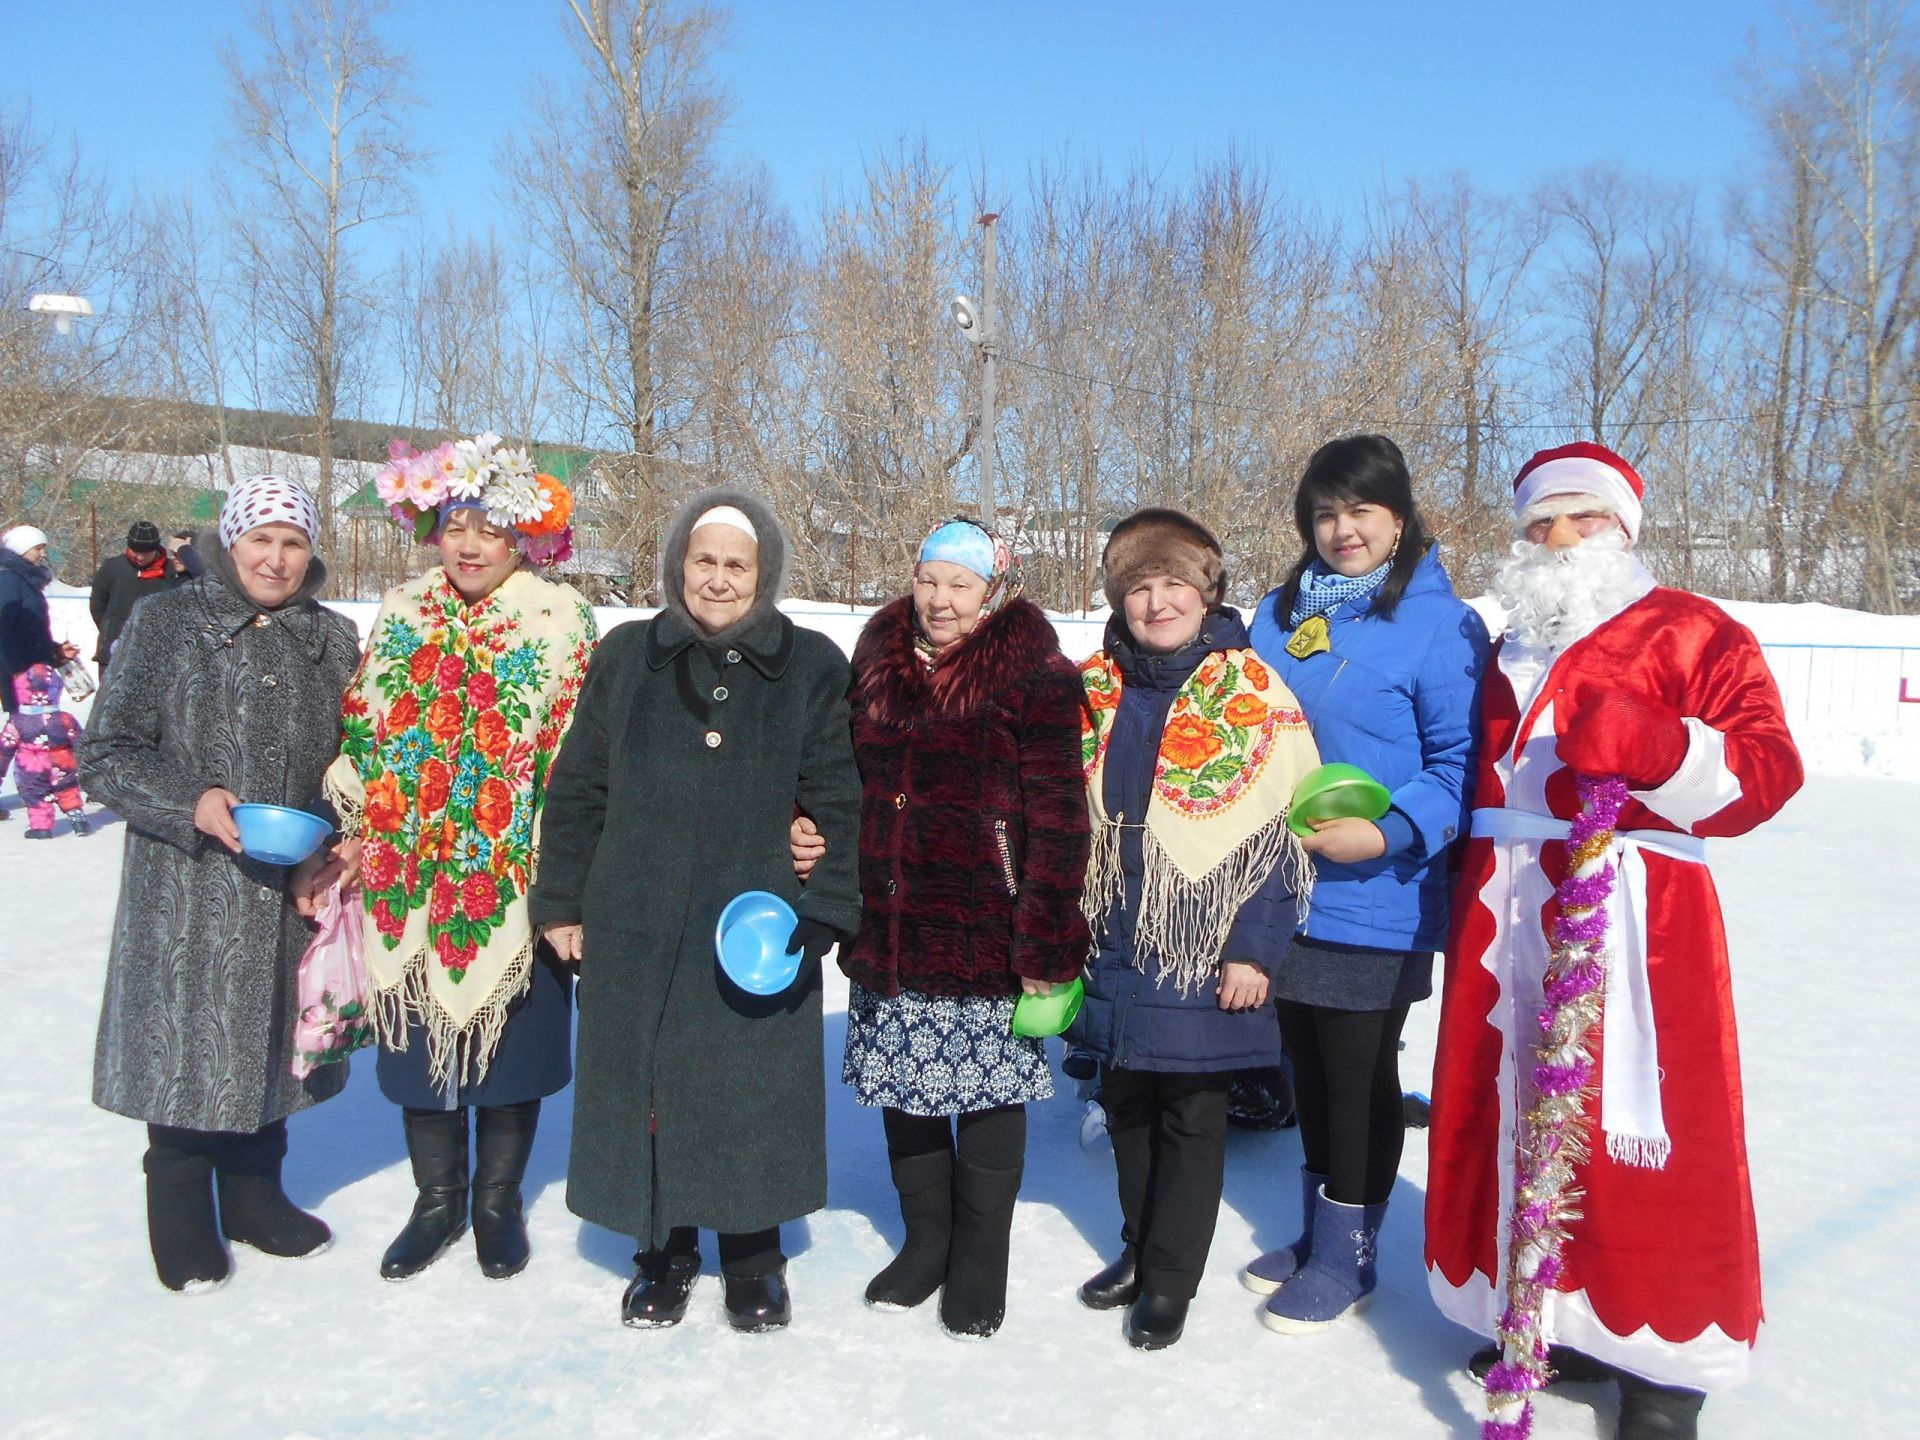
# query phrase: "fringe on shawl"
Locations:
[[1181, 923], [351, 813], [1102, 888], [453, 1054]]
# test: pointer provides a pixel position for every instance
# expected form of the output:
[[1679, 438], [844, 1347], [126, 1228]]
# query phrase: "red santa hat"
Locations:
[[1582, 468]]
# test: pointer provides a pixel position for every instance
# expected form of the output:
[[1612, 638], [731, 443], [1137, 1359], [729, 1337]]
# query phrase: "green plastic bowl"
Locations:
[[1336, 792], [1037, 1016]]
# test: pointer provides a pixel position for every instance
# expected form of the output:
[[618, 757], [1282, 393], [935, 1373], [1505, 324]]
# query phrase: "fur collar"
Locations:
[[891, 683]]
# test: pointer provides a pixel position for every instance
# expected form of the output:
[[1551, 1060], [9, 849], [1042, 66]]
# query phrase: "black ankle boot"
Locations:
[[181, 1228], [758, 1302], [437, 1146], [254, 1209], [503, 1138], [1657, 1412], [1156, 1321], [1117, 1285], [925, 1186], [974, 1300], [1565, 1366], [661, 1290]]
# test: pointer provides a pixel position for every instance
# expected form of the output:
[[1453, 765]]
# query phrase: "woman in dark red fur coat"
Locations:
[[973, 847]]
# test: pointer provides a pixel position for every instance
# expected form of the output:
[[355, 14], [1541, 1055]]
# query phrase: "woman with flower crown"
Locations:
[[450, 725], [1191, 749]]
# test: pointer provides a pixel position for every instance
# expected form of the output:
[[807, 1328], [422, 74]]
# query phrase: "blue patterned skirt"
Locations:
[[940, 1054]]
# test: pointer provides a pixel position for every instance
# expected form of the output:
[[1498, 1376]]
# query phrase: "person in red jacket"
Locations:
[[1603, 673], [973, 847]]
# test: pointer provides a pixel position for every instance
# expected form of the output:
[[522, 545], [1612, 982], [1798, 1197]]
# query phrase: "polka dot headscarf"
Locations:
[[266, 500]]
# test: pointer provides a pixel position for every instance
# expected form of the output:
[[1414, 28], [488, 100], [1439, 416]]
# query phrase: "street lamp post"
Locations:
[[989, 380], [977, 325]]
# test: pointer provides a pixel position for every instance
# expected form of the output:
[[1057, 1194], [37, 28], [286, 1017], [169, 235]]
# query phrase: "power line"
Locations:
[[1814, 402]]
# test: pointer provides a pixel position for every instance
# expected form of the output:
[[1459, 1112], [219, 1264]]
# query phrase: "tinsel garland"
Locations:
[[1552, 1133]]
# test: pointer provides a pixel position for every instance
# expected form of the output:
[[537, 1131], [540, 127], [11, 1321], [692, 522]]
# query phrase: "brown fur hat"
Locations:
[[1163, 542]]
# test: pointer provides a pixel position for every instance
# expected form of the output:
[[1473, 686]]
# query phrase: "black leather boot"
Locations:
[[1657, 1412], [254, 1209], [925, 1185], [661, 1289], [437, 1146], [503, 1139], [1156, 1321], [974, 1300], [756, 1303], [181, 1228], [1117, 1285]]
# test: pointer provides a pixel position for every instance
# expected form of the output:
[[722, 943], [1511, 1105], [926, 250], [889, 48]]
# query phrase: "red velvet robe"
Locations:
[[1662, 1275]]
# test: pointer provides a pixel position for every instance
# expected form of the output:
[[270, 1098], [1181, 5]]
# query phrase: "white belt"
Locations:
[[1497, 824], [1630, 1110]]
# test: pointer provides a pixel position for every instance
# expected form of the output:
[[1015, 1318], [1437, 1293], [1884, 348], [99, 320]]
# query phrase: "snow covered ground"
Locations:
[[321, 1348]]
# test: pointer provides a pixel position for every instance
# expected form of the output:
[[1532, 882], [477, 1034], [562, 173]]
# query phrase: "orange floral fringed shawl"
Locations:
[[449, 729], [1234, 746]]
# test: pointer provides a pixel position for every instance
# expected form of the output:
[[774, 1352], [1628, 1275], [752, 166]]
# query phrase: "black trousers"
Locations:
[[1169, 1136], [1346, 1091], [756, 1252]]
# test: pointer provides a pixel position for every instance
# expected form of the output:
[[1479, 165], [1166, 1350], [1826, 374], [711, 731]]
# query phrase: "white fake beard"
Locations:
[[1553, 597]]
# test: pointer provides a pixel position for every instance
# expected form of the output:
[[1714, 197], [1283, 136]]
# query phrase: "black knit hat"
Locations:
[[143, 535]]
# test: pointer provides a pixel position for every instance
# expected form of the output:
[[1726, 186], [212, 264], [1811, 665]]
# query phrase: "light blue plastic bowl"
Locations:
[[751, 942], [278, 835]]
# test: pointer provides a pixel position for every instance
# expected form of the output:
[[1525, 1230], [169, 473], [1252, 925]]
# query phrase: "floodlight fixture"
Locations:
[[64, 309], [967, 316]]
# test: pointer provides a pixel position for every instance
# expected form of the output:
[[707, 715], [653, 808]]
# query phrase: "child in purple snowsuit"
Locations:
[[38, 741]]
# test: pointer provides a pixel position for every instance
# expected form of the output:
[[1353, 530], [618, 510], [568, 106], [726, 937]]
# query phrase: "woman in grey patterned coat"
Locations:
[[225, 689]]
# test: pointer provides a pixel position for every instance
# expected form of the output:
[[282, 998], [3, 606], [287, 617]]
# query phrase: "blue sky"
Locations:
[[1340, 99]]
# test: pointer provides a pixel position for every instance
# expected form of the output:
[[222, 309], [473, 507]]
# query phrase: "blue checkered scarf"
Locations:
[[1322, 589]]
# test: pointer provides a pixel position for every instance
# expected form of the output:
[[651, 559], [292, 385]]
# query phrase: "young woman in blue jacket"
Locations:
[[1386, 662]]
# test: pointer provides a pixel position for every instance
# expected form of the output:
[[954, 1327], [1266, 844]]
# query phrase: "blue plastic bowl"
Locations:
[[277, 835], [751, 942]]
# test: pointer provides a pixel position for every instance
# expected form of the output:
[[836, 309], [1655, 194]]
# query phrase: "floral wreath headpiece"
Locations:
[[420, 487]]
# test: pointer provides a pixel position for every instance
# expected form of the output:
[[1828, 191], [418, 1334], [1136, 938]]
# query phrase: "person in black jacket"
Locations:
[[26, 633], [185, 561], [140, 570]]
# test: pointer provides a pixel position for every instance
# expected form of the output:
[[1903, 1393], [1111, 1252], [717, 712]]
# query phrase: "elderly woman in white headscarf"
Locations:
[[698, 734], [222, 691]]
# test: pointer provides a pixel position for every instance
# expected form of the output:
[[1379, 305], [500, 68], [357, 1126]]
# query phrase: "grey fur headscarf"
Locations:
[[773, 553]]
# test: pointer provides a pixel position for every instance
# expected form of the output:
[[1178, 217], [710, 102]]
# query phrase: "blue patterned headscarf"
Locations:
[[963, 543], [970, 545]]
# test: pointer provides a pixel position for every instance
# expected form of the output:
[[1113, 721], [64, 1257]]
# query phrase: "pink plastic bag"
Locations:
[[333, 1019]]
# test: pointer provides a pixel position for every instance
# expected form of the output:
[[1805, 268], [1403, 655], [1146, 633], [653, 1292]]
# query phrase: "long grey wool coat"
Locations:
[[694, 1102], [207, 690]]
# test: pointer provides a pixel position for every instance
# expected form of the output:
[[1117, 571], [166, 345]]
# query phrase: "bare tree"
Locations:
[[1852, 123], [607, 182], [318, 138], [62, 232], [192, 337]]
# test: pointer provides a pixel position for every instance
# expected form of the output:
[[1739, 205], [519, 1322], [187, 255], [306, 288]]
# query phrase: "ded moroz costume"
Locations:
[[1603, 673]]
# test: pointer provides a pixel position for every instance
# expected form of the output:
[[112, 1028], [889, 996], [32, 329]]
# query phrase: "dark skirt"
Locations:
[[534, 1058], [1352, 977]]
